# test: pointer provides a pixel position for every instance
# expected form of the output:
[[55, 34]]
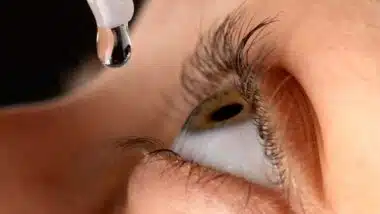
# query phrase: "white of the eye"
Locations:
[[236, 149]]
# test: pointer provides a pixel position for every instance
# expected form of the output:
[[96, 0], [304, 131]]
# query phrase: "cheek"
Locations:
[[46, 160]]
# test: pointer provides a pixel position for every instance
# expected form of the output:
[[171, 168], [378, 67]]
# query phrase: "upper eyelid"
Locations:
[[224, 51]]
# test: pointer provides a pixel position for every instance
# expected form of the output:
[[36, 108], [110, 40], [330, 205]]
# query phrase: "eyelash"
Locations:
[[232, 58], [217, 57]]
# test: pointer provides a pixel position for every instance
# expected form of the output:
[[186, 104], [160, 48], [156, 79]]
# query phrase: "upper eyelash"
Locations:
[[223, 52]]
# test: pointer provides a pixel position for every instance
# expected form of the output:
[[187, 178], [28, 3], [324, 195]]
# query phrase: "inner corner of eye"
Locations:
[[222, 134]]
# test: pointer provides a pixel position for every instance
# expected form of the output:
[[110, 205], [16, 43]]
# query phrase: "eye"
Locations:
[[222, 133]]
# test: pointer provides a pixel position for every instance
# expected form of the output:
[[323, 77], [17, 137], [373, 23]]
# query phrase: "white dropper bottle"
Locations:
[[113, 41]]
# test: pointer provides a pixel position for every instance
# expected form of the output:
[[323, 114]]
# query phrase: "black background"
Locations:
[[41, 44]]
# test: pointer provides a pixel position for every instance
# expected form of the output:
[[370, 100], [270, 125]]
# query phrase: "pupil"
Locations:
[[226, 112]]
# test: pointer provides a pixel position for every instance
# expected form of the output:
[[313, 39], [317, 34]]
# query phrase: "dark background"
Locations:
[[41, 43]]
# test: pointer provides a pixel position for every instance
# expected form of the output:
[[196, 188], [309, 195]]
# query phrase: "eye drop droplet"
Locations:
[[114, 46]]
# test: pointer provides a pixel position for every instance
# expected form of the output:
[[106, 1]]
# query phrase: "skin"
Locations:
[[59, 156]]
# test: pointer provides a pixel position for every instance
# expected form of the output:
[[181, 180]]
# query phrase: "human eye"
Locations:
[[224, 132], [251, 118], [229, 129]]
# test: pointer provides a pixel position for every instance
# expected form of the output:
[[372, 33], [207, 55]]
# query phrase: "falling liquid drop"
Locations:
[[114, 46]]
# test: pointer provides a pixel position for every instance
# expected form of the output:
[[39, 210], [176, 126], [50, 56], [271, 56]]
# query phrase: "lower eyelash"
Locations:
[[196, 173], [246, 197]]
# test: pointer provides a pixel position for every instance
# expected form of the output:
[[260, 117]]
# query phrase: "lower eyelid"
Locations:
[[174, 164], [172, 173]]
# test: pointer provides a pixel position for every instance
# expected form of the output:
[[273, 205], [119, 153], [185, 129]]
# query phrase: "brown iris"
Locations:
[[224, 108]]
